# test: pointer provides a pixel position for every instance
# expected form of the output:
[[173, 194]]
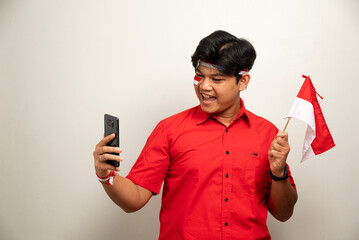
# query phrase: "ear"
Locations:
[[244, 81]]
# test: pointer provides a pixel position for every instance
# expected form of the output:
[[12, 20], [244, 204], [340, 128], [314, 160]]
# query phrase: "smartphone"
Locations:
[[112, 126]]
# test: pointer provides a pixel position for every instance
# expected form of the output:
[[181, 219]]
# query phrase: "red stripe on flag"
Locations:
[[197, 78]]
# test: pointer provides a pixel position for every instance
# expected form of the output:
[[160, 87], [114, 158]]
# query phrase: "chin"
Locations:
[[209, 110]]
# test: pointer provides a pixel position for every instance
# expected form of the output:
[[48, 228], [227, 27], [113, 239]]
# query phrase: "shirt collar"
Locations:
[[202, 116]]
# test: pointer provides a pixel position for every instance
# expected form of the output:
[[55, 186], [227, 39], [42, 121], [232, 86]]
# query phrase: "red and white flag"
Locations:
[[196, 80], [306, 107]]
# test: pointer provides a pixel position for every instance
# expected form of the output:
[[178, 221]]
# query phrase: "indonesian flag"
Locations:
[[306, 107], [196, 80]]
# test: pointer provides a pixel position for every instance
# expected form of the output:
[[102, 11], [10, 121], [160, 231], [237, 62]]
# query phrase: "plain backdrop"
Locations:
[[63, 64]]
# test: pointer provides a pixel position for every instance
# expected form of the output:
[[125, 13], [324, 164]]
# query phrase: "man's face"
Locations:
[[218, 93]]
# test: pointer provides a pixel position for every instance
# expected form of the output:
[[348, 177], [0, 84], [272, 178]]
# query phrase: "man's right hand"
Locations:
[[103, 153]]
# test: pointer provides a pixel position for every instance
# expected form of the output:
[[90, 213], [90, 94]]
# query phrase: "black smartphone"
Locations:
[[112, 126]]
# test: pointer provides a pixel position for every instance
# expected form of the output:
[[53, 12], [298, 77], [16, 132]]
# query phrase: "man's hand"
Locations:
[[277, 154], [282, 196], [103, 153]]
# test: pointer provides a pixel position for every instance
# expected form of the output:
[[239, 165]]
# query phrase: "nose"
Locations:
[[205, 84]]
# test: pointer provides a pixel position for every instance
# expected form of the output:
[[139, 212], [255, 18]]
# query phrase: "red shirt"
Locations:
[[216, 178]]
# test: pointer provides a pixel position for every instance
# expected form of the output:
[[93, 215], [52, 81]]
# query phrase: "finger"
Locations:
[[277, 147], [277, 150], [280, 145], [275, 153], [102, 164], [109, 149], [282, 135], [275, 156], [105, 167], [105, 157], [106, 139], [282, 141], [106, 149]]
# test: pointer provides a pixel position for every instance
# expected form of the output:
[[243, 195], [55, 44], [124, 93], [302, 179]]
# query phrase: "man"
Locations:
[[222, 166]]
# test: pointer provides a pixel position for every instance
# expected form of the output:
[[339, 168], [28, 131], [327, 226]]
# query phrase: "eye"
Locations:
[[199, 75], [217, 79]]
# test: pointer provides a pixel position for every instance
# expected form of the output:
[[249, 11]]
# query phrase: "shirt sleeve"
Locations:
[[291, 180], [151, 166]]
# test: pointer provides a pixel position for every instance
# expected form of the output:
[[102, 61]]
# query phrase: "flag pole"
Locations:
[[286, 124]]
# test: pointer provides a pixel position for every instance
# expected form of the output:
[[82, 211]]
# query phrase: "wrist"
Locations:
[[103, 173], [279, 175], [107, 179]]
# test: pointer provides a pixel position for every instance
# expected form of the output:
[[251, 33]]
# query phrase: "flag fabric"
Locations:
[[306, 108]]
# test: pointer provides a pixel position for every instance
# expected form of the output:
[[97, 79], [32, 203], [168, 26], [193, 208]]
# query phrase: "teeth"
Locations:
[[205, 96]]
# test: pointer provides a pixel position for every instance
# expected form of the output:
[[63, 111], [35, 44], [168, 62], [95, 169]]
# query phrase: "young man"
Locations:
[[222, 166]]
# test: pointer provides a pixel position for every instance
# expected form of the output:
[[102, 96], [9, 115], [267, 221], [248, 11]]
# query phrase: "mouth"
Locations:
[[208, 98]]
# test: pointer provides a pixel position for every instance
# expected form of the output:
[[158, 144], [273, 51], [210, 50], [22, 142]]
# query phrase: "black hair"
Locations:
[[230, 53]]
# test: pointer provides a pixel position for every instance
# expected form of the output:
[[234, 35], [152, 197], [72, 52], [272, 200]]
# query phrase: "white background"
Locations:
[[63, 64]]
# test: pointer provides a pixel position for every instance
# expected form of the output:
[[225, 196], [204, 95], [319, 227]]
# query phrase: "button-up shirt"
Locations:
[[216, 178]]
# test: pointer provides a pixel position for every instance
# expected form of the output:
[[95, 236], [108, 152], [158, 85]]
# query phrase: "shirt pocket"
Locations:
[[257, 169]]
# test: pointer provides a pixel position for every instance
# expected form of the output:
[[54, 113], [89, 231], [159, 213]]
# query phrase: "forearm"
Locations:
[[126, 194], [282, 199]]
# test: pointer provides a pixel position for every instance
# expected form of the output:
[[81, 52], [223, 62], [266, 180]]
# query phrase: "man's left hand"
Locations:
[[277, 154]]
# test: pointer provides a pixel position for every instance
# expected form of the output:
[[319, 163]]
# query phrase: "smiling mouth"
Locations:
[[208, 98]]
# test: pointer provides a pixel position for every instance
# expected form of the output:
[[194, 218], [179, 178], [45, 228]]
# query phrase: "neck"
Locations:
[[228, 116]]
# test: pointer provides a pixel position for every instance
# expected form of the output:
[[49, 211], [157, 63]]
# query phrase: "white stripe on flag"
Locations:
[[307, 153], [304, 111]]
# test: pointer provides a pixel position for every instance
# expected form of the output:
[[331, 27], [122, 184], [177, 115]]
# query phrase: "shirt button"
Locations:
[[227, 175], [226, 199], [227, 152], [226, 224], [226, 130]]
